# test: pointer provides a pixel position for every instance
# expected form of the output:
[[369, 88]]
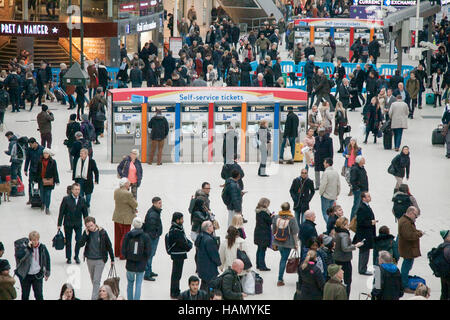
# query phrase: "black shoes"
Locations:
[[149, 279], [69, 261], [340, 151], [77, 260], [263, 269], [263, 175], [152, 274], [367, 273], [245, 221]]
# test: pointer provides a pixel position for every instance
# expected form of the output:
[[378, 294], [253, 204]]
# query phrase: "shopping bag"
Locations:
[[113, 281], [248, 283], [293, 262]]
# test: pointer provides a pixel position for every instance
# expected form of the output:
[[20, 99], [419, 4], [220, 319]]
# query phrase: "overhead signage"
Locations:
[[56, 29], [228, 109], [144, 26], [387, 3], [128, 7], [339, 23], [195, 109], [260, 108]]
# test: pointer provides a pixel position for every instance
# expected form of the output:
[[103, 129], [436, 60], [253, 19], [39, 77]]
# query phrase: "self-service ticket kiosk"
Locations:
[[194, 133], [168, 111], [225, 115], [256, 113], [126, 130]]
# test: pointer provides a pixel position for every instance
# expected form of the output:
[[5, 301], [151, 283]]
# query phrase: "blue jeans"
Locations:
[[153, 247], [16, 167], [326, 203], [262, 54], [397, 137], [284, 257], [261, 257], [297, 217], [46, 195], [406, 267], [87, 196], [283, 145], [134, 277], [356, 203]]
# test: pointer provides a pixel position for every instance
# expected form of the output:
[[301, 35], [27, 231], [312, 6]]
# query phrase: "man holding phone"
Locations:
[[365, 232]]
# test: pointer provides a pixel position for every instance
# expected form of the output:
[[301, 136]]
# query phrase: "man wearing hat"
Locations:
[[136, 248], [7, 290], [334, 289], [445, 280]]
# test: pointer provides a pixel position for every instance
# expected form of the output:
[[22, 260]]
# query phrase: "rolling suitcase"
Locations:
[[298, 157], [58, 94], [429, 98], [387, 139], [36, 201], [437, 137]]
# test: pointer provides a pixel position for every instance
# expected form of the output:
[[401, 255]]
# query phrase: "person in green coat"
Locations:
[[334, 289], [7, 290]]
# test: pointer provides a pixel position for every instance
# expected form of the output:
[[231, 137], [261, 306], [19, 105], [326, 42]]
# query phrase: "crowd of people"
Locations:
[[324, 262]]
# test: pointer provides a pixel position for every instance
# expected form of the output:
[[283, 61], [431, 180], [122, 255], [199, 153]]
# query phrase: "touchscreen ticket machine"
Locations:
[[126, 130], [255, 114], [168, 111], [194, 133], [225, 115]]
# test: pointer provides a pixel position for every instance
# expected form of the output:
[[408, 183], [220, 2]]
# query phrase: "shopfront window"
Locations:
[[132, 8]]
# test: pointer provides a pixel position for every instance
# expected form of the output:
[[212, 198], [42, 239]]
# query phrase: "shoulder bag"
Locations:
[[48, 182], [113, 281], [293, 262], [242, 255]]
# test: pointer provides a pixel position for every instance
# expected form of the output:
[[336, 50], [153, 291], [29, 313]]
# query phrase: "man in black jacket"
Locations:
[[359, 183], [178, 247], [193, 293], [153, 227], [290, 133], [168, 64], [359, 78], [207, 256], [72, 210], [136, 248], [159, 130], [227, 169], [323, 148], [277, 69], [136, 76], [152, 77], [84, 170], [231, 284], [302, 192], [98, 246], [33, 155], [307, 230], [374, 49], [344, 93], [232, 195], [365, 231]]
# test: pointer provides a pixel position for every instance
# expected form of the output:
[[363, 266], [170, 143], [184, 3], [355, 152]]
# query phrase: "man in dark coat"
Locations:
[[85, 176], [179, 245], [307, 230], [259, 81], [33, 155], [344, 93], [359, 78], [152, 77], [169, 65], [136, 76], [290, 133], [231, 284], [374, 49], [323, 148], [323, 88], [302, 192], [153, 227], [359, 182], [232, 195], [160, 129], [228, 168], [402, 92], [309, 73], [277, 69], [365, 231], [72, 211], [310, 50], [207, 256]]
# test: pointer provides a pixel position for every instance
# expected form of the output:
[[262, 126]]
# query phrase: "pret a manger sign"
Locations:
[[27, 29]]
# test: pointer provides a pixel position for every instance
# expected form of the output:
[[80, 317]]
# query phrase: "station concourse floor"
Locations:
[[175, 183]]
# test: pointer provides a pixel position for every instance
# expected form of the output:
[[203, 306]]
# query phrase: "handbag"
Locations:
[[48, 182], [113, 281], [100, 116], [352, 226], [347, 128], [293, 262], [391, 169], [242, 255], [58, 241]]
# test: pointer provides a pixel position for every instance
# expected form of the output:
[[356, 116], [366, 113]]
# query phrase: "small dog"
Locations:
[[5, 188]]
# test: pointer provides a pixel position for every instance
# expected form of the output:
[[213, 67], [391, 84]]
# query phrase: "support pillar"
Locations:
[[352, 39], [398, 44]]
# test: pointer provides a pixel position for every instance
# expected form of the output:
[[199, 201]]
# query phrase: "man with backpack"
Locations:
[[439, 259], [402, 201], [177, 245], [33, 265], [232, 195], [72, 211], [98, 246], [387, 279], [12, 81], [207, 256], [17, 154], [136, 248], [4, 102], [153, 227]]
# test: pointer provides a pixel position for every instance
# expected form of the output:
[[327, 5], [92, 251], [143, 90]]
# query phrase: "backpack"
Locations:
[[20, 249], [135, 249], [216, 283], [438, 263], [282, 230], [401, 203], [88, 131], [226, 196], [169, 245], [14, 81], [30, 89]]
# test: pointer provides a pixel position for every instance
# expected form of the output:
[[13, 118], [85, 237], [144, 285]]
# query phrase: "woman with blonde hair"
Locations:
[[211, 76], [238, 223], [229, 248], [343, 251], [262, 236], [310, 279], [422, 292]]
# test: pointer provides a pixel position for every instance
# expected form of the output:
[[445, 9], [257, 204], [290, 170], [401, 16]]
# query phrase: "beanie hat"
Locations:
[[327, 240], [4, 265], [444, 233], [137, 223], [85, 117], [333, 269]]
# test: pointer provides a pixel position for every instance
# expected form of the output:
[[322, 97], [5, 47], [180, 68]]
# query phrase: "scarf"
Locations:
[[78, 173], [285, 213]]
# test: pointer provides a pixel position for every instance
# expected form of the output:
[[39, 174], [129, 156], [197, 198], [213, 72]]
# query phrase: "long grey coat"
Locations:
[[398, 113]]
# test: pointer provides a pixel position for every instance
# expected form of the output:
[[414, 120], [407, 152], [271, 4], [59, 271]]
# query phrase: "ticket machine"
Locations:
[[194, 133], [168, 111], [256, 113], [126, 129], [225, 115]]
